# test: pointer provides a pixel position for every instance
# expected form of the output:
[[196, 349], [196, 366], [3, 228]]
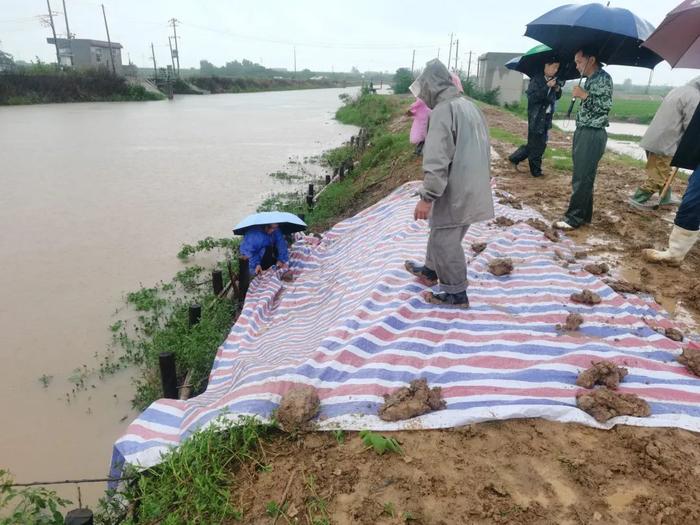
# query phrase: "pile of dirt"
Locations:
[[690, 358], [510, 201], [297, 407], [692, 297], [602, 373], [478, 247], [572, 323], [604, 404], [501, 266], [597, 268], [411, 401], [503, 221], [586, 297]]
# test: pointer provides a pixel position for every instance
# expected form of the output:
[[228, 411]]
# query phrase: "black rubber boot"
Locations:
[[459, 300], [426, 275]]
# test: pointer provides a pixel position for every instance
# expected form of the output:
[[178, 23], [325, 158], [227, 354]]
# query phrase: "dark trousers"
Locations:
[[588, 148], [688, 215], [532, 151], [270, 257]]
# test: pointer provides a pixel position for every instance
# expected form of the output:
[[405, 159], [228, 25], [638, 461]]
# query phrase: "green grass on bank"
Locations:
[[559, 158]]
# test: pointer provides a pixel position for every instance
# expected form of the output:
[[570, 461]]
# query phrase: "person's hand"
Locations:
[[258, 270], [552, 83], [579, 92], [282, 265], [422, 210]]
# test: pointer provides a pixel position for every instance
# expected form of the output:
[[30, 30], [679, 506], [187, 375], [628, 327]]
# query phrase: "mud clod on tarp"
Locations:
[[552, 235], [602, 373], [538, 224], [690, 358], [511, 201], [503, 221], [586, 297], [478, 247], [558, 254], [674, 334], [625, 286], [597, 268], [501, 266], [572, 323], [411, 401], [603, 404], [297, 407]]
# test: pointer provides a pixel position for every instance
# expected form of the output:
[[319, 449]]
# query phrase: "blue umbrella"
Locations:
[[615, 34], [288, 222]]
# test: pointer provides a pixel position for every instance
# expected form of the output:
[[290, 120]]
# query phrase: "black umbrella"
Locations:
[[613, 34]]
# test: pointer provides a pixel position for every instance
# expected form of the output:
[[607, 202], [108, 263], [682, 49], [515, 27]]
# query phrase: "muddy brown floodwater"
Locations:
[[95, 199]]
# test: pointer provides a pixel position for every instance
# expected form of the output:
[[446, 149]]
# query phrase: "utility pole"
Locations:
[[53, 30], [172, 56], [469, 66], [155, 68], [109, 41], [438, 53], [68, 35], [456, 54], [295, 61], [413, 61], [651, 74], [449, 56], [174, 22]]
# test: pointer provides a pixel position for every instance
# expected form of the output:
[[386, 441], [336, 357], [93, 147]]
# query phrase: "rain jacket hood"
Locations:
[[434, 84], [456, 155]]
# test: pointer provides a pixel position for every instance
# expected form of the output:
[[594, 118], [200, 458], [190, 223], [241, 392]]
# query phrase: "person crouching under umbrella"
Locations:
[[264, 246]]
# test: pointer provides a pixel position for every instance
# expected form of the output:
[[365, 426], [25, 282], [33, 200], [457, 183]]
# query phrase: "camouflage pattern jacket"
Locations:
[[594, 110]]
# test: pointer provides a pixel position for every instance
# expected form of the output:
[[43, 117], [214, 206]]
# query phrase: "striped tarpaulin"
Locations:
[[354, 325]]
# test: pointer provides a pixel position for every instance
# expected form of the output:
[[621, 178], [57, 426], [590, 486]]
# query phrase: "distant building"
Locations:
[[493, 74], [87, 53]]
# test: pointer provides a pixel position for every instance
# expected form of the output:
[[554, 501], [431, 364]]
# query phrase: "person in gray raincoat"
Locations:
[[661, 140], [456, 189]]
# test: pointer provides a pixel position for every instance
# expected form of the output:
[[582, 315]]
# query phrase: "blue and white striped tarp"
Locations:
[[354, 325]]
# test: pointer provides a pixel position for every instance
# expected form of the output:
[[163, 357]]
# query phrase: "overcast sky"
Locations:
[[328, 35]]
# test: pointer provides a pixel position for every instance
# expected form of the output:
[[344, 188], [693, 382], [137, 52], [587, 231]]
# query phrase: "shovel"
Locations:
[[666, 188]]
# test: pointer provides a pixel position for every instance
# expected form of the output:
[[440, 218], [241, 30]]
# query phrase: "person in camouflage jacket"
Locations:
[[590, 137]]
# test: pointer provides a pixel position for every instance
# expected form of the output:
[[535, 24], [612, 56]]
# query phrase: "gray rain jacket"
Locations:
[[456, 155], [672, 119]]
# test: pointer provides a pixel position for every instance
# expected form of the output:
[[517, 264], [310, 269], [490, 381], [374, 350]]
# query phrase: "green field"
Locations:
[[637, 110]]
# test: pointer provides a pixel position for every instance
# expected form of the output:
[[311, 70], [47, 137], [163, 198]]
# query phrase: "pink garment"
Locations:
[[457, 82], [421, 114]]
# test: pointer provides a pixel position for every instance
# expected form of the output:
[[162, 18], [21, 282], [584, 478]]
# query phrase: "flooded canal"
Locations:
[[95, 199]]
